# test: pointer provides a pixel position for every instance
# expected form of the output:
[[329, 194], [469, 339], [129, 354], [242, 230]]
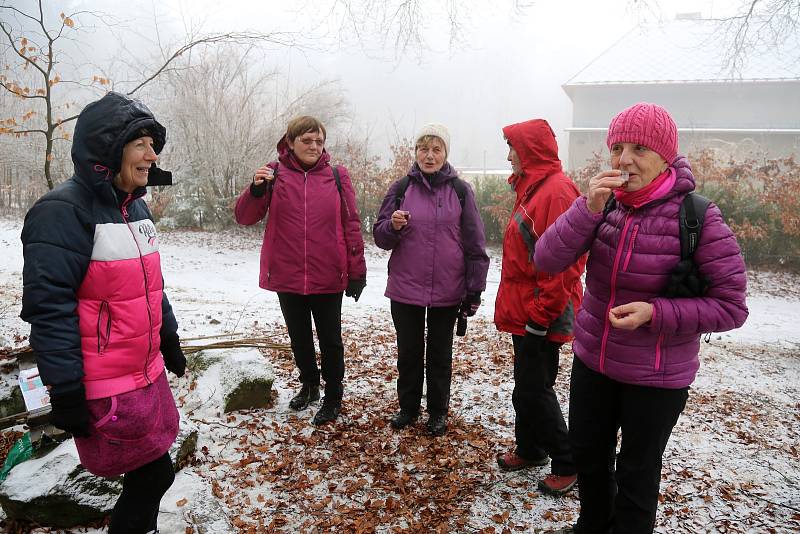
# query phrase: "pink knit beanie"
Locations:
[[645, 124]]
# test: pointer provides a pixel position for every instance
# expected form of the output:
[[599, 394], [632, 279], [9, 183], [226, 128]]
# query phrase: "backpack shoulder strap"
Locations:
[[461, 190], [337, 178], [459, 185], [691, 217], [611, 203], [401, 191]]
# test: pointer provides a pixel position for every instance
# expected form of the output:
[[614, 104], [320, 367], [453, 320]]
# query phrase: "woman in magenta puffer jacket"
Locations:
[[636, 351], [312, 252]]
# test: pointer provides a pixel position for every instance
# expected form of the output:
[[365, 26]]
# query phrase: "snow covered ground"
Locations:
[[732, 465]]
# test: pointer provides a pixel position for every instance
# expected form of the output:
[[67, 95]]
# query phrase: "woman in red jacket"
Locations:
[[537, 308], [312, 252]]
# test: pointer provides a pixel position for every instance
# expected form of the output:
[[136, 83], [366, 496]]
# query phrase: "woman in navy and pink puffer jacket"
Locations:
[[636, 351], [102, 328], [312, 252]]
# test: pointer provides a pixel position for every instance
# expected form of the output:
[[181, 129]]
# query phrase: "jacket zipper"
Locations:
[[630, 248], [102, 343], [305, 233], [614, 270], [146, 289], [658, 351]]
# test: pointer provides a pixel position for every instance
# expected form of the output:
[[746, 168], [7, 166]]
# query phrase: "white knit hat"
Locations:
[[438, 130]]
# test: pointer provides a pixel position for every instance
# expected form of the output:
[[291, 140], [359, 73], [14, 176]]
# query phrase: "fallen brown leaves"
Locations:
[[279, 473], [275, 472]]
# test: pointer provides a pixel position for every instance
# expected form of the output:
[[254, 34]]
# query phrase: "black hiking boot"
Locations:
[[402, 419], [437, 424], [304, 397], [329, 412]]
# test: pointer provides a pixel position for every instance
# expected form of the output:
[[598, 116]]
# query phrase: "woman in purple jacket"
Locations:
[[430, 222], [312, 252], [636, 351]]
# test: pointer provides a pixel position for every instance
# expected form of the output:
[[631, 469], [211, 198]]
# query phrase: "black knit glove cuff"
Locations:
[[258, 190], [174, 360], [354, 288], [69, 411]]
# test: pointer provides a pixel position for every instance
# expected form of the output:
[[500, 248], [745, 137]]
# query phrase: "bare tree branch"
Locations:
[[241, 37], [22, 132]]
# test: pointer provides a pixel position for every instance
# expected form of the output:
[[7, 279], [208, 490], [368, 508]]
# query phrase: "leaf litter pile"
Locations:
[[731, 465]]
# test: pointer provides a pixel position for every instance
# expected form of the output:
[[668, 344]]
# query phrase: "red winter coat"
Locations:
[[543, 193], [312, 240]]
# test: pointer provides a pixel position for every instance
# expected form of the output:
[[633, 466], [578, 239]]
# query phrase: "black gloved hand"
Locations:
[[260, 189], [174, 360], [70, 411], [354, 288], [470, 304], [535, 337]]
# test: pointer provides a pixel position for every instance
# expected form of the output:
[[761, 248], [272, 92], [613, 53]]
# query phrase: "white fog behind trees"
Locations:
[[372, 71]]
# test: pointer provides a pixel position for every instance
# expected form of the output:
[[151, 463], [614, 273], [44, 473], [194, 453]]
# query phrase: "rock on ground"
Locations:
[[229, 380]]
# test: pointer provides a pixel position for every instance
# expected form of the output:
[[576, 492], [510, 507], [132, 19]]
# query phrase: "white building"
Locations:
[[681, 65]]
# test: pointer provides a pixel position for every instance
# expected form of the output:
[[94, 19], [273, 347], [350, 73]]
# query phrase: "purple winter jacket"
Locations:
[[631, 254], [440, 256]]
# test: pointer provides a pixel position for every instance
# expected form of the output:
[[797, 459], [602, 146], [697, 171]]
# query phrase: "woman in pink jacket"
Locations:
[[102, 328], [312, 252], [637, 333]]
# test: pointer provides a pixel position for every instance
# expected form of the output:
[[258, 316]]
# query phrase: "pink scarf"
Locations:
[[652, 191]]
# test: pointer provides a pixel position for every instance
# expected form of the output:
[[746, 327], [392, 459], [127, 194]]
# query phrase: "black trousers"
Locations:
[[326, 309], [539, 426], [621, 500], [136, 511], [415, 363]]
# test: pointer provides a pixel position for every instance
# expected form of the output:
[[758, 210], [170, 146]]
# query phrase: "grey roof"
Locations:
[[683, 51]]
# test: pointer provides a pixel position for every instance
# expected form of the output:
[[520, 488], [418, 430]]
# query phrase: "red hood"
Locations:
[[536, 146]]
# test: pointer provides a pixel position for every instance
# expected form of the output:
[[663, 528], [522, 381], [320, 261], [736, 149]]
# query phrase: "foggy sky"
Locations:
[[504, 67]]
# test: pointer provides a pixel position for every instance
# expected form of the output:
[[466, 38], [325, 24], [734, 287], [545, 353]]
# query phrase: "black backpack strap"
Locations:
[[459, 185], [338, 180], [691, 217], [611, 203], [461, 190], [401, 191]]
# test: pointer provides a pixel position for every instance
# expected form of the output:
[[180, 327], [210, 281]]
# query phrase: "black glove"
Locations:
[[70, 412], [258, 190], [535, 337], [470, 304], [174, 360], [354, 288]]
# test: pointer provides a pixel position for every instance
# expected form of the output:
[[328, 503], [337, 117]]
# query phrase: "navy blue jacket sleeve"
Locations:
[[169, 325], [57, 242]]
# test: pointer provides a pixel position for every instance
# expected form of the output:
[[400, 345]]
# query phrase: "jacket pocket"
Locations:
[[659, 352], [103, 327], [129, 416]]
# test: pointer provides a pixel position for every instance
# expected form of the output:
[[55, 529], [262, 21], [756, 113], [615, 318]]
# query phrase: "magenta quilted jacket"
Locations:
[[631, 253]]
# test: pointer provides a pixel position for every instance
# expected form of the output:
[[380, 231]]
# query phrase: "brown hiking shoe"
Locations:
[[511, 461], [557, 484]]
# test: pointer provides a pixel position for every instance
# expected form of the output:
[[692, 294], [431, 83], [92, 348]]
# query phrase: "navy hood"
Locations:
[[103, 128]]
